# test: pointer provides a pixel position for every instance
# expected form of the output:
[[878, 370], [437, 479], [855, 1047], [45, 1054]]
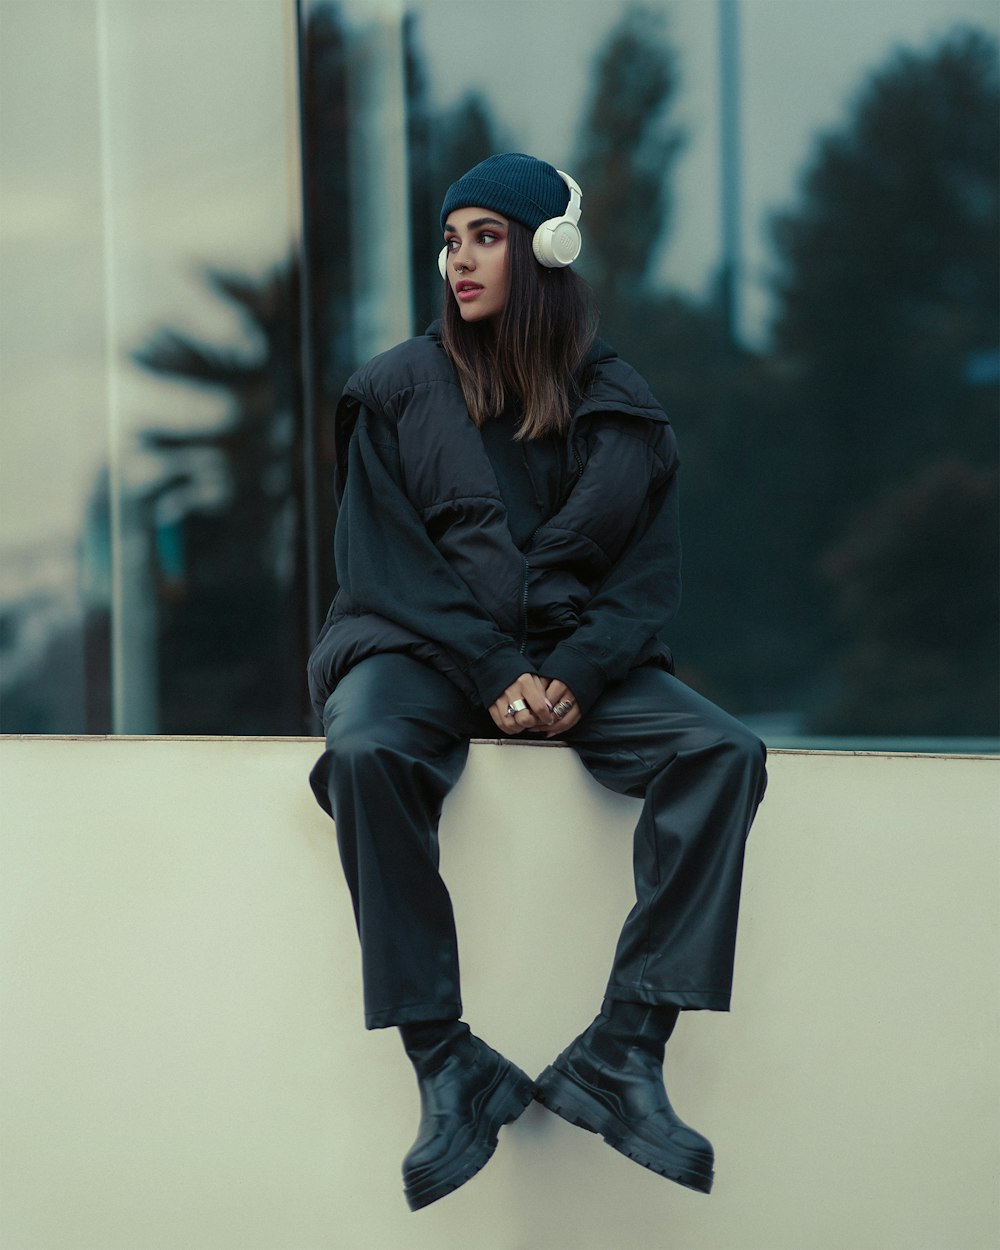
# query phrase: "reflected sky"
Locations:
[[179, 118], [802, 62]]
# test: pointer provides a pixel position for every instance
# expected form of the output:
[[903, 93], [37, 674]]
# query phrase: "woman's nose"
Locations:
[[461, 258]]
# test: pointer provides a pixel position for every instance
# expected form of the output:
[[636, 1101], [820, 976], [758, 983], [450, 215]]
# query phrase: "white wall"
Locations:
[[184, 1065]]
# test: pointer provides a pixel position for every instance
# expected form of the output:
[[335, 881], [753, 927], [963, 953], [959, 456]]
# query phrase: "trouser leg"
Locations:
[[397, 737], [701, 775]]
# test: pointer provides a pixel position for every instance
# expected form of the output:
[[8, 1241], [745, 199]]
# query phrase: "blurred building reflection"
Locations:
[[151, 516], [211, 214]]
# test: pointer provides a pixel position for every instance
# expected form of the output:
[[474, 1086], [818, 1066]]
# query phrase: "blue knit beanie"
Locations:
[[518, 186]]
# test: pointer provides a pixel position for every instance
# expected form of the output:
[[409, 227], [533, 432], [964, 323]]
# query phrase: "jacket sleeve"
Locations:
[[387, 563], [631, 606]]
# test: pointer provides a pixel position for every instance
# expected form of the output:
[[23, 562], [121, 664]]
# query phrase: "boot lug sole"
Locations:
[[557, 1091]]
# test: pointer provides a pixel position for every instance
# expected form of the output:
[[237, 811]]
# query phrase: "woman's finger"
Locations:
[[561, 726], [503, 720], [527, 697], [565, 710], [555, 690]]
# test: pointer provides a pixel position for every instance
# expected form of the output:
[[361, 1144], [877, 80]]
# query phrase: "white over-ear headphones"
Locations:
[[556, 243]]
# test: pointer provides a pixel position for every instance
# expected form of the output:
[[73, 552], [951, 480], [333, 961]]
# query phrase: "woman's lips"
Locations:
[[468, 290]]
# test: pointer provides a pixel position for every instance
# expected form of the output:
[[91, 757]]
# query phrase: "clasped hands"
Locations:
[[533, 703]]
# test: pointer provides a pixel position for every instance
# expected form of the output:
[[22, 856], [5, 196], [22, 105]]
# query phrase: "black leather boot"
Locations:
[[610, 1081], [467, 1092]]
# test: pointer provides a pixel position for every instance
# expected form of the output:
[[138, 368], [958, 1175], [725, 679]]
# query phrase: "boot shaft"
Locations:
[[623, 1028], [430, 1043]]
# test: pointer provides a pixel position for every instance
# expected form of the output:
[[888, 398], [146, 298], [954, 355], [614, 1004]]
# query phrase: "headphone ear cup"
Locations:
[[443, 262], [556, 243]]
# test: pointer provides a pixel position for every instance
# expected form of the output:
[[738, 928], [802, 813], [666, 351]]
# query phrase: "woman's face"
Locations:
[[476, 239]]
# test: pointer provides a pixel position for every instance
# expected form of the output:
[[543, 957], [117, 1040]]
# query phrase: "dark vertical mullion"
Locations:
[[310, 460]]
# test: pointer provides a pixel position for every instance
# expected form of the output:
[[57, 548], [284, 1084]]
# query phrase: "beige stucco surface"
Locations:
[[183, 1064]]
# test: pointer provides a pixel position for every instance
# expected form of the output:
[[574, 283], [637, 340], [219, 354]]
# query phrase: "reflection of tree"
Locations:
[[884, 367], [888, 327], [890, 279], [232, 571], [627, 148], [882, 381], [626, 152], [916, 577], [227, 620]]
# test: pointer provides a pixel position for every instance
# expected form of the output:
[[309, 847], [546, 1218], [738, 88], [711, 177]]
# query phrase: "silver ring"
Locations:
[[561, 708], [518, 705]]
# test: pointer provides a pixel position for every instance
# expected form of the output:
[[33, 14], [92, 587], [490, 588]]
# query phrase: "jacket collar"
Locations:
[[609, 384]]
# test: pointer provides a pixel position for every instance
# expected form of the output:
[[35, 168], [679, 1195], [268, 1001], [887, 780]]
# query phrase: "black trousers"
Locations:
[[397, 735]]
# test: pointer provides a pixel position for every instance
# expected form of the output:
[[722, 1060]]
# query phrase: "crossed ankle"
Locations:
[[429, 1043], [625, 1026]]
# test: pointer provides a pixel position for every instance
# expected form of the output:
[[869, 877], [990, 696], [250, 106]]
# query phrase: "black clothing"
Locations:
[[428, 1043], [464, 560], [464, 1102], [397, 740], [620, 1025], [610, 1081], [426, 560], [530, 474]]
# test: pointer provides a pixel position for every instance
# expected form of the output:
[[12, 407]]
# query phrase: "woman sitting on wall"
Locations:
[[508, 559]]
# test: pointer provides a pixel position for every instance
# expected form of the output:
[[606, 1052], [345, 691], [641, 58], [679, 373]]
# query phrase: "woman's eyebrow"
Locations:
[[474, 225]]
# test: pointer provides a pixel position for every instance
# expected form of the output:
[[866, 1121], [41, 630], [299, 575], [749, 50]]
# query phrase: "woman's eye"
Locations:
[[451, 244], [488, 237]]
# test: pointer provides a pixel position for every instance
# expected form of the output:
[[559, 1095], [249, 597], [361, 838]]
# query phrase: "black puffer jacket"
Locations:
[[425, 560]]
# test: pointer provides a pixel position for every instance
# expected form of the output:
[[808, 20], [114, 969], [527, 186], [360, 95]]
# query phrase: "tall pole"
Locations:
[[730, 173]]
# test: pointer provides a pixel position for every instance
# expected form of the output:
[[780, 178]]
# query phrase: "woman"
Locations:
[[508, 557]]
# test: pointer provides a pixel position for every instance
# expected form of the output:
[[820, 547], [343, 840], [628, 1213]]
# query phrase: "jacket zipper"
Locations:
[[524, 607], [524, 596]]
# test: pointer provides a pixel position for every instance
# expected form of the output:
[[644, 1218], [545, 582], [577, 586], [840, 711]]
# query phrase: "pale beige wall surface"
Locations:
[[183, 1064]]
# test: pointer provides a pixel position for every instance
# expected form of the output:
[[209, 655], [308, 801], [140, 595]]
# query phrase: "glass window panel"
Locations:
[[163, 445], [838, 468], [54, 587], [151, 520]]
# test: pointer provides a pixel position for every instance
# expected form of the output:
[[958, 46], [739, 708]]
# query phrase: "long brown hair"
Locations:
[[533, 352]]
